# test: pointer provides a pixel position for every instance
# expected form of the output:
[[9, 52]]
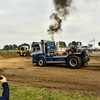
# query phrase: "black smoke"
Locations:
[[61, 11]]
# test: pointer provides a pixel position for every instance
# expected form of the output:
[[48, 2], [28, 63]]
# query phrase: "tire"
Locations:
[[20, 54], [41, 62], [24, 54], [74, 62], [28, 53]]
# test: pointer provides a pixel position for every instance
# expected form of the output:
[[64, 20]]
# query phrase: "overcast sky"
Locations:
[[25, 21]]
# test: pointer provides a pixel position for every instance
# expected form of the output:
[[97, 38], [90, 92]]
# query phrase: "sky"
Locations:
[[25, 21]]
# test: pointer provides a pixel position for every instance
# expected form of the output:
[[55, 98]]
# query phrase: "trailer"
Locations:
[[43, 53]]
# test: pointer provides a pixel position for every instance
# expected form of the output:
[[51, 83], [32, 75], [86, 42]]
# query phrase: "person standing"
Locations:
[[5, 94]]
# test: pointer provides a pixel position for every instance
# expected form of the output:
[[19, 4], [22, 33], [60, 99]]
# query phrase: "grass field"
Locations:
[[29, 93], [93, 54], [7, 50]]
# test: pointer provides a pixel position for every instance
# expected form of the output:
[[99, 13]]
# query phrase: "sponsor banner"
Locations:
[[96, 52]]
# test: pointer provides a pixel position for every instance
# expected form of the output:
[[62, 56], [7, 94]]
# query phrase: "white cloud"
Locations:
[[28, 20], [83, 22], [2, 12]]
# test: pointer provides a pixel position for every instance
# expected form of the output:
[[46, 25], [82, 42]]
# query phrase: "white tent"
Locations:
[[95, 46], [85, 44]]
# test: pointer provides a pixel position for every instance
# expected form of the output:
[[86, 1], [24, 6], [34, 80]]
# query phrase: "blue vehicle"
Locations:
[[43, 53]]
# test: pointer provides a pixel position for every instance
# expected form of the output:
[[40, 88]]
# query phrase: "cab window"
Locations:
[[22, 49], [36, 47]]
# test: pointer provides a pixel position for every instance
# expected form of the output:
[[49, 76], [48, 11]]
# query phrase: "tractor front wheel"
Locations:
[[41, 62]]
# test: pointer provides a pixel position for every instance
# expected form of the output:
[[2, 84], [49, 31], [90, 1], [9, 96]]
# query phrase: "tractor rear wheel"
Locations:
[[74, 62]]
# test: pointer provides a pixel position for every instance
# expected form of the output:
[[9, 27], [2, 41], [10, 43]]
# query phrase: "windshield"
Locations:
[[25, 48], [22, 49], [62, 44], [36, 47]]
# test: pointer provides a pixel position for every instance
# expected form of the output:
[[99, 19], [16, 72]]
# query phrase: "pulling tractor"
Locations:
[[43, 53]]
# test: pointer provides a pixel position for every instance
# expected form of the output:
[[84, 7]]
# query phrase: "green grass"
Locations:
[[93, 54], [94, 60], [30, 93], [8, 50]]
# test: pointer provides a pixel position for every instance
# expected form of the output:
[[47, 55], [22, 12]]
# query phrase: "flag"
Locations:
[[79, 45], [92, 41]]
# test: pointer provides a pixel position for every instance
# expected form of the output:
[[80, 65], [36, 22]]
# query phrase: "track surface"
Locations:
[[58, 78]]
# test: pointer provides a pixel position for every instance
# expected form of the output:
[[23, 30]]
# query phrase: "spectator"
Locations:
[[5, 94], [83, 51]]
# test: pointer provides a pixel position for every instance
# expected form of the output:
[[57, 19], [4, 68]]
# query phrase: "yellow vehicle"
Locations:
[[60, 48], [23, 51]]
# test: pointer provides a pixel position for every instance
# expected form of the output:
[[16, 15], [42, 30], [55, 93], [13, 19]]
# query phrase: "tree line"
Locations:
[[75, 44], [78, 43], [14, 46]]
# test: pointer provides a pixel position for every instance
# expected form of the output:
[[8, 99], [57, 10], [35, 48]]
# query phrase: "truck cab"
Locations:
[[43, 53]]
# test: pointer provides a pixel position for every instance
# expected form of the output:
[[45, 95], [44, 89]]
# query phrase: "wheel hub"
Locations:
[[73, 62], [40, 62]]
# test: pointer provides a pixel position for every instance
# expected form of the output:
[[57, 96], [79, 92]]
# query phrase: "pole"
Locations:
[[94, 41]]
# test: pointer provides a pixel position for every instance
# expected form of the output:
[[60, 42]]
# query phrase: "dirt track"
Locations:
[[22, 71]]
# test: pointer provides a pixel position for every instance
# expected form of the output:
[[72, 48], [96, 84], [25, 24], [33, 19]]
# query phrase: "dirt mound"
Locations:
[[1, 70], [1, 57], [8, 55]]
